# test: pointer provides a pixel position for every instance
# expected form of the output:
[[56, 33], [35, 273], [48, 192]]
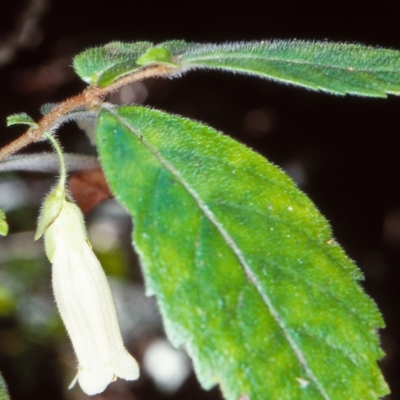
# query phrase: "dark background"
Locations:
[[343, 151]]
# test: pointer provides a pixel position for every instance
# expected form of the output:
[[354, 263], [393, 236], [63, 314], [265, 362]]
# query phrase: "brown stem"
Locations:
[[91, 98]]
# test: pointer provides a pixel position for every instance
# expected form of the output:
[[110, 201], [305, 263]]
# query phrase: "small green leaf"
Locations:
[[3, 224], [3, 390], [244, 267], [103, 65], [176, 47], [338, 68], [21, 118], [155, 55]]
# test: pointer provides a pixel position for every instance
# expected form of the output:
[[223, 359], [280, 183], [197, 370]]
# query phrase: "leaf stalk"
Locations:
[[91, 98]]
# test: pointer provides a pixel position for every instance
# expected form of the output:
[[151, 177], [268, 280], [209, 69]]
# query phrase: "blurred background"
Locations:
[[343, 152]]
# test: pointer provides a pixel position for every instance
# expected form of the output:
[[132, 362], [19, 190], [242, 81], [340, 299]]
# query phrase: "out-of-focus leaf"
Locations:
[[245, 269], [47, 162], [89, 188], [3, 224], [7, 301], [47, 107], [3, 390]]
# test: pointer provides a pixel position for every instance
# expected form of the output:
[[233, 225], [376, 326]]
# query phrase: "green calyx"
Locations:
[[51, 209]]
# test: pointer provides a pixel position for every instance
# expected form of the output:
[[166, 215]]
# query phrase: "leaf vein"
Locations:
[[231, 243]]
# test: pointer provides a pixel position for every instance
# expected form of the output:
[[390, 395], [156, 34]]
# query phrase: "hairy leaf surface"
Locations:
[[338, 68], [244, 267], [103, 65]]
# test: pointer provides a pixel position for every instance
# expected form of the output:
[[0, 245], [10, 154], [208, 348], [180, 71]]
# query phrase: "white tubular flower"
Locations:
[[83, 297]]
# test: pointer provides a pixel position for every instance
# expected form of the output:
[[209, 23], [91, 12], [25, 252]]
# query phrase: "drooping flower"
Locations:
[[83, 297]]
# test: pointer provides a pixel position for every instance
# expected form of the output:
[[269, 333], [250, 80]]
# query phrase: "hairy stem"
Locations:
[[91, 99]]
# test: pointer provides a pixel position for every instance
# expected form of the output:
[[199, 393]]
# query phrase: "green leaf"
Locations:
[[155, 55], [162, 54], [244, 267], [21, 118], [337, 68], [333, 67], [3, 390], [3, 224], [103, 65]]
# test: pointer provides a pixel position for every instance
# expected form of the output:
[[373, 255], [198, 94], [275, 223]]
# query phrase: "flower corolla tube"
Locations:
[[83, 297]]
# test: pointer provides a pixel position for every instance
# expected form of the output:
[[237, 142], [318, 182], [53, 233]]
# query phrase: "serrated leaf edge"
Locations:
[[231, 243]]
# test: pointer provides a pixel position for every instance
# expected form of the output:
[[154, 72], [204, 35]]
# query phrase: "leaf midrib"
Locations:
[[232, 245], [214, 57], [312, 240]]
